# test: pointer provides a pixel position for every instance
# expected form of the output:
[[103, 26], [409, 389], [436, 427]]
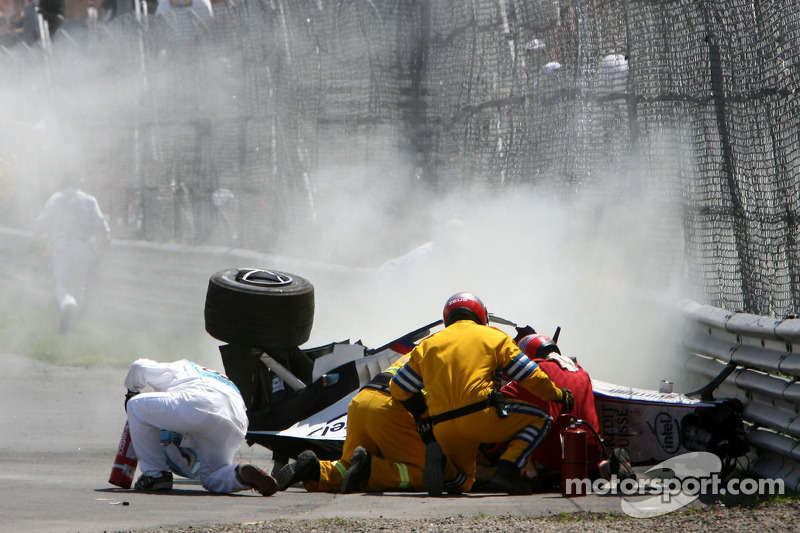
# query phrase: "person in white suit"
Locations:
[[75, 232], [203, 406]]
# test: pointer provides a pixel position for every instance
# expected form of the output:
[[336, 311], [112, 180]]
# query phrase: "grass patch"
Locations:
[[32, 332]]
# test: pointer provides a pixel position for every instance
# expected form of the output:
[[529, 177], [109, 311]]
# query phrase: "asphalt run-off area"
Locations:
[[63, 425]]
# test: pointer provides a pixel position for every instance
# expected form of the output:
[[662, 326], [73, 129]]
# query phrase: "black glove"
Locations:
[[425, 429], [416, 405], [567, 399], [128, 395], [523, 332]]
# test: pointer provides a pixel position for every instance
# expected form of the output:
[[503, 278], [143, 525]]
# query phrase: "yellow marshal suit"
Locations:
[[385, 428], [458, 367]]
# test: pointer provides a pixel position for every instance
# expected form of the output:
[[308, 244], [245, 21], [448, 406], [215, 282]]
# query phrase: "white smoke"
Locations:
[[603, 267], [600, 272]]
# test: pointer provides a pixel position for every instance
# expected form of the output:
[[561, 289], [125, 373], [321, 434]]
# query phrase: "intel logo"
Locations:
[[667, 432]]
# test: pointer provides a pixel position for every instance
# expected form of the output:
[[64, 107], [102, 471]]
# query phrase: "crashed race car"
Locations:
[[297, 398]]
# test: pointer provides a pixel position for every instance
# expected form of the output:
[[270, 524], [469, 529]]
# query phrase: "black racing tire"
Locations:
[[259, 308]]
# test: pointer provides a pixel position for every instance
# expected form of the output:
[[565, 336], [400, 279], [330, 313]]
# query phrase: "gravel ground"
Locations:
[[766, 517]]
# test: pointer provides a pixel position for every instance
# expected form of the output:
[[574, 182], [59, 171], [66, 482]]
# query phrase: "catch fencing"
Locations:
[[284, 114]]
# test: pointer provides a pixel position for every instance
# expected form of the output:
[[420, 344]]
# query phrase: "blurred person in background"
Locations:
[[201, 8], [52, 12], [224, 210], [29, 30], [186, 18], [75, 234], [10, 16], [5, 27]]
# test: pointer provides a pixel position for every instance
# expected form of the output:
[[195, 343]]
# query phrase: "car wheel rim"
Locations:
[[263, 278]]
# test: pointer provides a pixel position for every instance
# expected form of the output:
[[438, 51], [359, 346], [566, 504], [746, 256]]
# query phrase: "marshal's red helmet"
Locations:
[[463, 305], [538, 346]]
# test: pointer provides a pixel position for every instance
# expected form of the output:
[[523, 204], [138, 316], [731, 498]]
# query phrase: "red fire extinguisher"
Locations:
[[574, 464], [125, 463]]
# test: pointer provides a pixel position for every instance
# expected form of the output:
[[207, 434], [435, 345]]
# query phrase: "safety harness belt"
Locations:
[[461, 411], [380, 382]]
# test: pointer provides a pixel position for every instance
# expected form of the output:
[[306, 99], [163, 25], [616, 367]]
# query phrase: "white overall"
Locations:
[[201, 404]]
